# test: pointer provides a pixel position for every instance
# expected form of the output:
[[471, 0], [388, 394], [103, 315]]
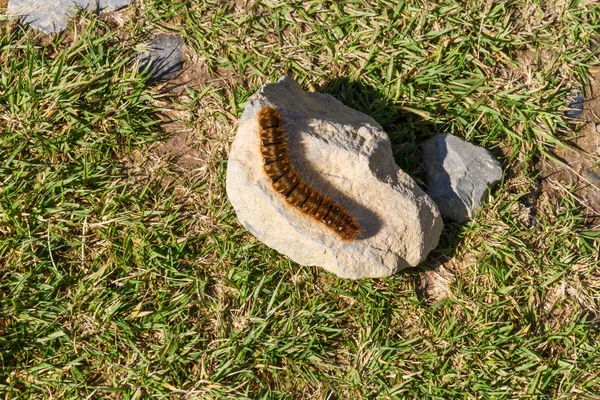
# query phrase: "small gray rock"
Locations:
[[592, 176], [164, 59], [595, 42], [575, 107], [458, 175], [345, 155], [52, 16]]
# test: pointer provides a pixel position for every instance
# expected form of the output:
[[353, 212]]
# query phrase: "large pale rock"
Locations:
[[459, 175], [347, 156], [52, 16]]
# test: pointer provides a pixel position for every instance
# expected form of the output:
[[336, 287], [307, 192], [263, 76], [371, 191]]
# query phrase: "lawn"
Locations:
[[125, 274]]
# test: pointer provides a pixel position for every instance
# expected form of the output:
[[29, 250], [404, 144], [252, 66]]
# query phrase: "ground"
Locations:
[[577, 169], [124, 272]]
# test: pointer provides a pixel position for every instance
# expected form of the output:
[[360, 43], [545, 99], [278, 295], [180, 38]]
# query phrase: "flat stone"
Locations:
[[164, 59], [50, 16], [459, 175], [592, 176], [594, 42], [347, 156], [575, 107]]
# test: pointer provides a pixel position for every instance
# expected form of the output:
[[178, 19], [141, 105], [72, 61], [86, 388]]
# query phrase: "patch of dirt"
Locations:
[[180, 149], [120, 17], [195, 74], [435, 283], [181, 153], [3, 3], [579, 169], [240, 6], [192, 139]]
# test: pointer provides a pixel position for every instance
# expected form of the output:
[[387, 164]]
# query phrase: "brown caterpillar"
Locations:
[[291, 186]]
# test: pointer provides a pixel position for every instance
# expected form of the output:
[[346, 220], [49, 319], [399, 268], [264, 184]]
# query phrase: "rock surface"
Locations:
[[575, 107], [52, 16], [347, 156], [459, 175], [164, 59]]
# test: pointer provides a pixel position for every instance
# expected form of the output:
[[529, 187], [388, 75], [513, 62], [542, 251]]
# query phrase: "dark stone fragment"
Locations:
[[165, 58], [575, 107]]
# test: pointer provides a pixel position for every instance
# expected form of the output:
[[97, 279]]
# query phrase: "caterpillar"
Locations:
[[286, 181]]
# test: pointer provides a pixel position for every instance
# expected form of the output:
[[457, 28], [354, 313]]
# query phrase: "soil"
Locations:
[[192, 140], [578, 169], [434, 283]]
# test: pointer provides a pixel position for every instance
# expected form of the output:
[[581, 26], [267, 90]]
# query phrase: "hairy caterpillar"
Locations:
[[291, 186]]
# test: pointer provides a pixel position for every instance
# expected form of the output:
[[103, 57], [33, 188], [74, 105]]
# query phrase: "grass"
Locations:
[[125, 274]]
